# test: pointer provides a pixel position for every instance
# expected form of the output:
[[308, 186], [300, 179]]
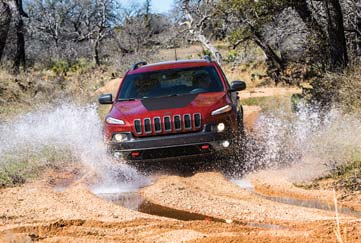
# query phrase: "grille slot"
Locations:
[[157, 125], [138, 126], [197, 120], [177, 122], [167, 124], [147, 125], [187, 121]]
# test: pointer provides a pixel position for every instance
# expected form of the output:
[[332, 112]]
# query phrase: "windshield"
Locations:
[[170, 82]]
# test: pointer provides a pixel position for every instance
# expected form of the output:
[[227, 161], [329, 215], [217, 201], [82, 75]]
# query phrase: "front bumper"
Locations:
[[173, 145]]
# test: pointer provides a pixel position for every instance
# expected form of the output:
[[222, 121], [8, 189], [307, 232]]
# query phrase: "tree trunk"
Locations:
[[275, 64], [5, 19], [207, 44], [18, 13], [336, 35], [318, 41], [96, 53], [303, 10], [20, 45]]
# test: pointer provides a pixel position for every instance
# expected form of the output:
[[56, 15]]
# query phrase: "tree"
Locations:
[[248, 19], [50, 22], [5, 19], [323, 19], [94, 21], [64, 24], [196, 17], [141, 29]]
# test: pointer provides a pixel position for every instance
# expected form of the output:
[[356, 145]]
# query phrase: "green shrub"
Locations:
[[82, 65], [60, 67], [205, 52], [232, 56]]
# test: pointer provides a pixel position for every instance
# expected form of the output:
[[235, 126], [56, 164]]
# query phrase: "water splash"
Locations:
[[316, 140], [69, 128]]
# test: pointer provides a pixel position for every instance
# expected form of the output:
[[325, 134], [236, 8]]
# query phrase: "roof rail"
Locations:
[[137, 65], [207, 58]]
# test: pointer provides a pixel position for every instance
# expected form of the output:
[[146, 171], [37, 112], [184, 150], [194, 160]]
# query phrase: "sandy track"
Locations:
[[267, 92], [211, 194], [37, 212]]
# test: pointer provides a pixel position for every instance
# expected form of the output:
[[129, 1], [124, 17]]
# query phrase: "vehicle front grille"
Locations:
[[168, 124]]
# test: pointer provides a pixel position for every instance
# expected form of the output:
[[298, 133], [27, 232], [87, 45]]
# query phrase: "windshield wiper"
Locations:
[[164, 96], [172, 95], [127, 99]]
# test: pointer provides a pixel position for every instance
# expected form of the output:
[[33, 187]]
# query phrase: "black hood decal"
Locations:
[[163, 103]]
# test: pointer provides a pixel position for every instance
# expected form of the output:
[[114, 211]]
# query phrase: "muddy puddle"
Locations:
[[247, 185], [134, 201], [311, 204]]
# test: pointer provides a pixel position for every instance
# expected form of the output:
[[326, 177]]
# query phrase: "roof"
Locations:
[[170, 65]]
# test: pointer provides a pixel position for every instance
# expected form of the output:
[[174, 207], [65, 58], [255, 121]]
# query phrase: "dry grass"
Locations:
[[183, 53], [34, 88], [341, 90], [17, 167], [253, 74]]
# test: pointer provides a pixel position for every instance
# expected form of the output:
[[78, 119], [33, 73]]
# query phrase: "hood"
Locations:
[[130, 109]]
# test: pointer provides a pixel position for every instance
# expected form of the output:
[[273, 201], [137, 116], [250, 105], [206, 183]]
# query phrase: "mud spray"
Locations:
[[313, 141], [67, 128]]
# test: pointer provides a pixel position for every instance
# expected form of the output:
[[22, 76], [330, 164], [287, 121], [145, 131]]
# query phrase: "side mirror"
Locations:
[[106, 99], [237, 86]]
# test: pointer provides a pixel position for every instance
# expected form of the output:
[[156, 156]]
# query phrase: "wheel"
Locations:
[[239, 134], [237, 159]]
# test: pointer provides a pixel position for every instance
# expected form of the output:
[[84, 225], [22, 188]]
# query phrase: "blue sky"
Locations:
[[162, 6], [158, 6]]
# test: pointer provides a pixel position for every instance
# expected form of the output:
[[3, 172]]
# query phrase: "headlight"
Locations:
[[221, 127], [120, 137], [111, 120], [222, 110]]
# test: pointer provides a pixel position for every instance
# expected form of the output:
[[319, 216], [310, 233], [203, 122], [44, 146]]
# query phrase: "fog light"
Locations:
[[120, 137], [225, 144], [205, 147], [117, 155], [221, 127], [135, 154]]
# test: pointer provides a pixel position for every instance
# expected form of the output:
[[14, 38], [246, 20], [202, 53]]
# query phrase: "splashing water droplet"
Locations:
[[69, 128], [320, 140]]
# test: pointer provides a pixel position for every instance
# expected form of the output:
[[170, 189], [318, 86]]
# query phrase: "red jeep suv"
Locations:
[[173, 110]]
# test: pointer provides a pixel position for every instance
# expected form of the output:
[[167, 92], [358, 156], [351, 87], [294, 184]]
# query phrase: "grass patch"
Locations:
[[19, 167], [346, 176], [271, 103]]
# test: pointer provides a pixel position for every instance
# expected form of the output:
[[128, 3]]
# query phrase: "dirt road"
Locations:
[[203, 207], [211, 208]]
